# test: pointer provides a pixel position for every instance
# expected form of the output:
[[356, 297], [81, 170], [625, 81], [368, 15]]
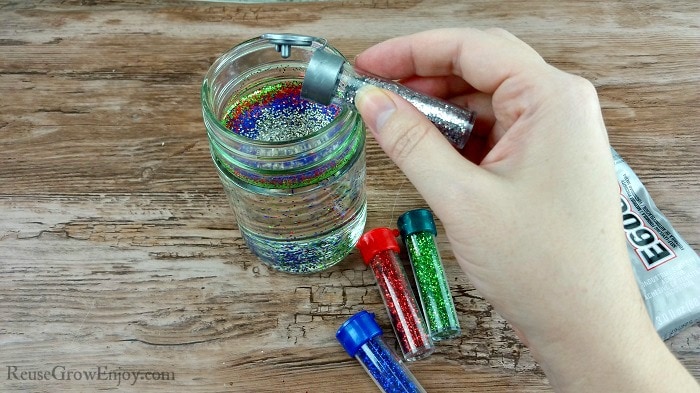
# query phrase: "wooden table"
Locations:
[[118, 250]]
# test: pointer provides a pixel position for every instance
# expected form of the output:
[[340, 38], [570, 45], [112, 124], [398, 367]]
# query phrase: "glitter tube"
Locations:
[[361, 337], [330, 78], [418, 232], [380, 251]]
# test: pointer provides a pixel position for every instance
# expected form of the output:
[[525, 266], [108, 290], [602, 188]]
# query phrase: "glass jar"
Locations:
[[293, 170]]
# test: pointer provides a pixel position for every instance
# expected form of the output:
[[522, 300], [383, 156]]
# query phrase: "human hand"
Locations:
[[535, 223]]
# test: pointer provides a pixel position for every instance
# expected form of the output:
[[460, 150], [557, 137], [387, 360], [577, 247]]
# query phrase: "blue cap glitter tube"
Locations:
[[418, 232], [361, 337], [329, 78]]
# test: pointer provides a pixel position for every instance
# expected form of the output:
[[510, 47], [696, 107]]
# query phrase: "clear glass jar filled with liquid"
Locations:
[[293, 170]]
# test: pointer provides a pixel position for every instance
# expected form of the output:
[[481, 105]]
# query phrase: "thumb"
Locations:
[[413, 143]]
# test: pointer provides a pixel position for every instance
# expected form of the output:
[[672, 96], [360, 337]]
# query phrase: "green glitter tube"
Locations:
[[418, 232]]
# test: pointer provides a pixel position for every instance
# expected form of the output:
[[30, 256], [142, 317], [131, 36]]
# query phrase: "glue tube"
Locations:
[[418, 233], [361, 337], [665, 266], [379, 250]]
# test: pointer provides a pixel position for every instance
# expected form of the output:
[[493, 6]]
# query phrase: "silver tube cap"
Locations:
[[321, 76]]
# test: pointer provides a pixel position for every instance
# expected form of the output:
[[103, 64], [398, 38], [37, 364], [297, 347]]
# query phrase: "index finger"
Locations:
[[484, 59]]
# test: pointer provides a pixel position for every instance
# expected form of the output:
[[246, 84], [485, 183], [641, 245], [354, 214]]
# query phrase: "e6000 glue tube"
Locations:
[[666, 268]]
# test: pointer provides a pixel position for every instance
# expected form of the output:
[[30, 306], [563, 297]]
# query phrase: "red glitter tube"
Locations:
[[379, 250]]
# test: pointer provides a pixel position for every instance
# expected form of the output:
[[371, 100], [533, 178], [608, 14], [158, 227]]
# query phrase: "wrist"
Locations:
[[629, 357]]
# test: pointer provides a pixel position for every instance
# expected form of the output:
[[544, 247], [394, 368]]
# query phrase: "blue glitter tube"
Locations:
[[361, 337]]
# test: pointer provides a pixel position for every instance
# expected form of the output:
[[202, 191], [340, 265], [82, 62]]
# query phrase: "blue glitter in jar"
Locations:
[[361, 337]]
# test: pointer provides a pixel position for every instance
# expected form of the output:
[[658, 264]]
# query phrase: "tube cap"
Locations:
[[356, 331], [321, 76], [418, 220], [376, 241]]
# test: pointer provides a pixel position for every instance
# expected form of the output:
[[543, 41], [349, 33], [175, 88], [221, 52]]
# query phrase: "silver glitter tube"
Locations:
[[330, 78]]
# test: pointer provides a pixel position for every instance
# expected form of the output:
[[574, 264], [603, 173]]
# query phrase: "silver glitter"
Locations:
[[277, 124], [329, 76], [454, 123]]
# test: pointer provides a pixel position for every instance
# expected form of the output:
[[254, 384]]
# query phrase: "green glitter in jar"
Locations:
[[433, 288]]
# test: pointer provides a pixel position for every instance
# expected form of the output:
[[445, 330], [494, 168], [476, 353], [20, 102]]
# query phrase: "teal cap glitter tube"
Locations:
[[418, 233]]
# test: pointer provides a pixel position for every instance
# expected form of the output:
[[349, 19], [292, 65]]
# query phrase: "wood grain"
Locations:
[[117, 246]]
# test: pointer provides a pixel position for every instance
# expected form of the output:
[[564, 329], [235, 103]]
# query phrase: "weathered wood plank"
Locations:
[[118, 249]]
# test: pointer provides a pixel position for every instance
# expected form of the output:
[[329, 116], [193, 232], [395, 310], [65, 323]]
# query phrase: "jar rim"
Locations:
[[257, 43]]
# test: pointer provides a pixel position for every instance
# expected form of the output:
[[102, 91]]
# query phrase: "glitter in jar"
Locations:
[[293, 170], [277, 113], [305, 184]]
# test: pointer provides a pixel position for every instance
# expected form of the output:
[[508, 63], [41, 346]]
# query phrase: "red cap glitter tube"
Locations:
[[379, 250]]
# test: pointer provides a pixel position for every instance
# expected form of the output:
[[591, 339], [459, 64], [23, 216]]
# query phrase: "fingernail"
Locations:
[[375, 106]]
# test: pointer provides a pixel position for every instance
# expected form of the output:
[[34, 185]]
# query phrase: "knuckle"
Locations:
[[573, 89], [583, 86], [499, 31], [583, 90]]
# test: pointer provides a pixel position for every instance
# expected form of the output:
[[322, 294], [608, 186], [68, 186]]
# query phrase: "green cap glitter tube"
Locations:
[[418, 232]]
